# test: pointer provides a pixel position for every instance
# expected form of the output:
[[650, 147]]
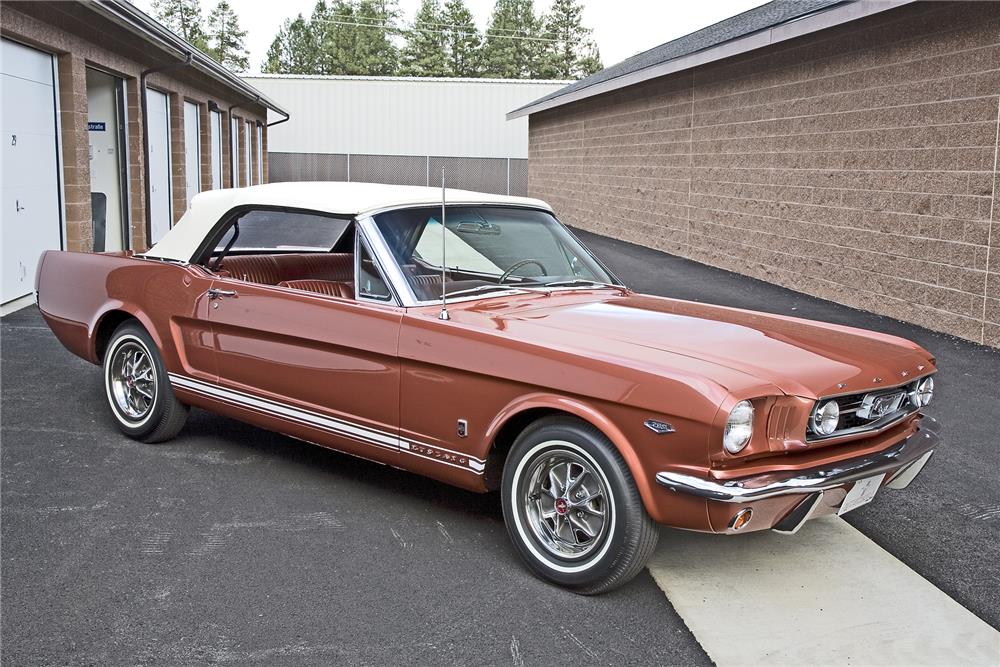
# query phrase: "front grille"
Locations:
[[869, 411]]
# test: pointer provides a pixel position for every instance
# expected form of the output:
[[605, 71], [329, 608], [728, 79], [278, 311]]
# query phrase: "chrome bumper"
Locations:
[[905, 459]]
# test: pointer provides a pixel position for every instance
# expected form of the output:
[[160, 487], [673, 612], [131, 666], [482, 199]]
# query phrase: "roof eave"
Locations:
[[137, 21], [834, 16]]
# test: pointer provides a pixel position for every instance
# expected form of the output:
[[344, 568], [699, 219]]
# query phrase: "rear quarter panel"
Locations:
[[76, 291]]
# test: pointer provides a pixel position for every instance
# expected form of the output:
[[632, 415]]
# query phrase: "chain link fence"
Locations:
[[495, 175]]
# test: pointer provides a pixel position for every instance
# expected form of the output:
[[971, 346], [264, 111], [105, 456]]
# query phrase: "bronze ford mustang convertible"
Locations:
[[315, 309]]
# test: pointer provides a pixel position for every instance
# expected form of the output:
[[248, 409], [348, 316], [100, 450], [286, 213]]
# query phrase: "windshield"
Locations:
[[485, 249]]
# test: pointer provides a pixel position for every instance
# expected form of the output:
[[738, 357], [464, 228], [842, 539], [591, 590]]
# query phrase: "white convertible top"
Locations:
[[339, 198]]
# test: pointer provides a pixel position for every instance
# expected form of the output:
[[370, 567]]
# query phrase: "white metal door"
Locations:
[[103, 132], [192, 149], [30, 216], [216, 127], [246, 153], [158, 126]]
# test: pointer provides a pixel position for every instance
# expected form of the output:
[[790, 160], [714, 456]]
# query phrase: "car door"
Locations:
[[319, 367]]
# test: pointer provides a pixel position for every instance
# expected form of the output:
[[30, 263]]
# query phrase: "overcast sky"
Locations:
[[621, 27]]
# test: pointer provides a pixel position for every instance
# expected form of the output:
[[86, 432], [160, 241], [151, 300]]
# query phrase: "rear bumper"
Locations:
[[900, 462]]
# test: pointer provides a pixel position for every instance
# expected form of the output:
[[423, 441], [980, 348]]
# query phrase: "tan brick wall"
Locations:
[[80, 39], [857, 164]]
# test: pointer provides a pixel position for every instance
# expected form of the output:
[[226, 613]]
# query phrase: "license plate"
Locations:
[[863, 492]]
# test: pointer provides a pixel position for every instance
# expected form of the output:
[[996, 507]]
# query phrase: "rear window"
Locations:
[[261, 231]]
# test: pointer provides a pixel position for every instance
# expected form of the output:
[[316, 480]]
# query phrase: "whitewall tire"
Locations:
[[137, 387], [572, 509]]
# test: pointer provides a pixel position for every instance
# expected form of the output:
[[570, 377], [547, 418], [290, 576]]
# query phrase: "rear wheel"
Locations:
[[138, 388], [572, 508]]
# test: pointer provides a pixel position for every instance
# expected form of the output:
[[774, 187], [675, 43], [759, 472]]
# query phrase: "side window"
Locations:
[[371, 284], [283, 231]]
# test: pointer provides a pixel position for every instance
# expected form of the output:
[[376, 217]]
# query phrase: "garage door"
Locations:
[[160, 210], [31, 217]]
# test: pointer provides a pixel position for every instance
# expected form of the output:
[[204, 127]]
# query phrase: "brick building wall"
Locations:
[[857, 164], [80, 39]]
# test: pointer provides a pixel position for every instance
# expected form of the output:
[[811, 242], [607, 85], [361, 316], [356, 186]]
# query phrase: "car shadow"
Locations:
[[275, 447]]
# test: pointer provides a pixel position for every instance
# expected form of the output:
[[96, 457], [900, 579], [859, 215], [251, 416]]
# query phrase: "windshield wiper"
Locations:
[[485, 288], [579, 281]]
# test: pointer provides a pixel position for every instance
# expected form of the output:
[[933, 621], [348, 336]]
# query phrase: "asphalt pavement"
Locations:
[[234, 545]]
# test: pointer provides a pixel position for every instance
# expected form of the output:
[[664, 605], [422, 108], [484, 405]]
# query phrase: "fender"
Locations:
[[127, 307], [587, 413]]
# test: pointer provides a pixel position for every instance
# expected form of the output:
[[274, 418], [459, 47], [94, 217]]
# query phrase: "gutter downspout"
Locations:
[[145, 136], [279, 122]]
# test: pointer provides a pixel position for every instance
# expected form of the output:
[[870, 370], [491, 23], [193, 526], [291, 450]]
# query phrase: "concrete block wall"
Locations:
[[858, 164]]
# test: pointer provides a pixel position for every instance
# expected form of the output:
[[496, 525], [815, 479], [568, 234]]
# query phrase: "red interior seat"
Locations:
[[342, 289]]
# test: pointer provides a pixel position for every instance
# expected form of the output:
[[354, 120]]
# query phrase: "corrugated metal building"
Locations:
[[402, 130]]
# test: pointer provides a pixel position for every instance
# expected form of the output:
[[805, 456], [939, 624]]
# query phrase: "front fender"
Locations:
[[588, 413]]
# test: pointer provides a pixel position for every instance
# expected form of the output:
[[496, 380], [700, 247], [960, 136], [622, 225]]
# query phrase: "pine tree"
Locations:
[[512, 49], [225, 38], [424, 53], [374, 53], [277, 56], [336, 37], [462, 40], [571, 54], [184, 18]]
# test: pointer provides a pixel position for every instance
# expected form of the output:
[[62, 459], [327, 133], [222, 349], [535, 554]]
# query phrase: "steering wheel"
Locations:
[[517, 265]]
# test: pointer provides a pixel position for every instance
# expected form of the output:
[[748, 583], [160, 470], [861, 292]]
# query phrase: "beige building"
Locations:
[[843, 149], [111, 124]]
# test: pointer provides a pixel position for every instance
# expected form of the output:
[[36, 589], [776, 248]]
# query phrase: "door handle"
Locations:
[[214, 293]]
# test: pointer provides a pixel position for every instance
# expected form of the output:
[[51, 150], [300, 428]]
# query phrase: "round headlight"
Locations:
[[825, 418], [924, 393], [739, 427]]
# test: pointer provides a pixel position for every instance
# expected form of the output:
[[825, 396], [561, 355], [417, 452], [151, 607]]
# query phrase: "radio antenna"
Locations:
[[443, 315]]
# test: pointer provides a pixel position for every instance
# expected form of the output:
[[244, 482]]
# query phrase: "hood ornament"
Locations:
[[877, 379]]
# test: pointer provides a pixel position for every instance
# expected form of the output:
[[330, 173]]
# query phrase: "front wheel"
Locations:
[[138, 389], [572, 509]]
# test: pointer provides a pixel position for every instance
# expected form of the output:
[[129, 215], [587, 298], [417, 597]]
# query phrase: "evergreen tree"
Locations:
[[424, 53], [374, 53], [512, 48], [336, 37], [462, 40], [293, 49], [184, 18], [277, 54], [226, 41], [571, 54]]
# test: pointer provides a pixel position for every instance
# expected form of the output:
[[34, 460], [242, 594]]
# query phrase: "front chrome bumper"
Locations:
[[904, 459]]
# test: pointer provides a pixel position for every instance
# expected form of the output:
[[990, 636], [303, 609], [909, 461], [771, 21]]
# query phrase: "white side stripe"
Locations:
[[330, 424]]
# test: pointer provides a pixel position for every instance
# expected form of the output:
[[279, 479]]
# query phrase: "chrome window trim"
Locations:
[[398, 282], [391, 272], [360, 237]]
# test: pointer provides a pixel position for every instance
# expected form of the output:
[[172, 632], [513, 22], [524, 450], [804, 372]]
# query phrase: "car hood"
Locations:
[[800, 357]]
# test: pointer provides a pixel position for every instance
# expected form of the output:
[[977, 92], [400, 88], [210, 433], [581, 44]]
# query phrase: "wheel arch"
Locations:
[[520, 414], [110, 319]]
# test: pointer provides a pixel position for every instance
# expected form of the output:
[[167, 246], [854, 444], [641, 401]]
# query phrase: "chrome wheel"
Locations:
[[132, 380], [566, 503]]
